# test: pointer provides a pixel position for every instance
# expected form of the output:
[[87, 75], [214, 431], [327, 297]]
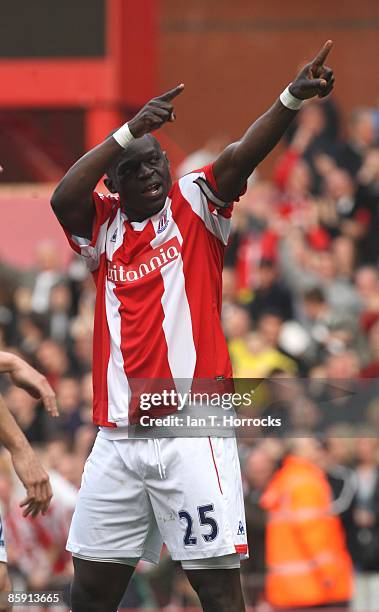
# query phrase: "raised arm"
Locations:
[[238, 160], [72, 199]]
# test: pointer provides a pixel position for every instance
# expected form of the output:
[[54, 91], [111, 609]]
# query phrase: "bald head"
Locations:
[[307, 448], [145, 143], [141, 177]]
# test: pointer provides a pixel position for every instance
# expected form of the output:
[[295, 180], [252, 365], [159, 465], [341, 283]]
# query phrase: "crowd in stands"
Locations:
[[300, 302]]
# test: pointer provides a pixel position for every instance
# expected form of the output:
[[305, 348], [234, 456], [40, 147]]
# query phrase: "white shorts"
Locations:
[[137, 494], [3, 552]]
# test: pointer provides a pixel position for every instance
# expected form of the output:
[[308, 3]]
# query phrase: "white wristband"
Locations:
[[288, 100], [123, 136]]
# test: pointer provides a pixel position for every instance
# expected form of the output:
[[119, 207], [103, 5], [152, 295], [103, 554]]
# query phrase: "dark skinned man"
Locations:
[[156, 250]]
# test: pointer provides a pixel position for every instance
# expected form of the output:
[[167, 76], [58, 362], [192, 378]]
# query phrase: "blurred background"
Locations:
[[301, 279]]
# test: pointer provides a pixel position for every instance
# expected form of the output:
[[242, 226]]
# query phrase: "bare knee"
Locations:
[[218, 590]]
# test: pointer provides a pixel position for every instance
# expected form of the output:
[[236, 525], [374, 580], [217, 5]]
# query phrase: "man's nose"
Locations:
[[144, 170]]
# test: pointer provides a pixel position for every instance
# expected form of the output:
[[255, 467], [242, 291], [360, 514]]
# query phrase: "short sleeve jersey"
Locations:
[[158, 303]]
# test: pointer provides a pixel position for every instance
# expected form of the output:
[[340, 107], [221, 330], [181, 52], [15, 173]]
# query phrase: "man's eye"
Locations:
[[154, 159]]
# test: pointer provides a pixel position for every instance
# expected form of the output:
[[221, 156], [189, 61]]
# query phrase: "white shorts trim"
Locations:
[[224, 562]]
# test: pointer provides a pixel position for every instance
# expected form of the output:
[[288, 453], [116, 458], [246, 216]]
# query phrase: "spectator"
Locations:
[[371, 369], [258, 470], [365, 548], [48, 273], [60, 309], [270, 293], [339, 211], [362, 136], [367, 284], [329, 329], [313, 134], [344, 251], [53, 361], [253, 357], [368, 195], [307, 559], [339, 291], [69, 401], [342, 482]]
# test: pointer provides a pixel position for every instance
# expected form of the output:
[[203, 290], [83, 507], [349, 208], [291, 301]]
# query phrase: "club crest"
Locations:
[[163, 223]]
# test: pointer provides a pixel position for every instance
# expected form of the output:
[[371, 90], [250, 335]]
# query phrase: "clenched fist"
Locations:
[[155, 113], [315, 79]]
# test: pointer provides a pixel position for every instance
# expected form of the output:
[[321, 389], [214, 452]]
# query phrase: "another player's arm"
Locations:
[[72, 199], [237, 162], [29, 379], [25, 462]]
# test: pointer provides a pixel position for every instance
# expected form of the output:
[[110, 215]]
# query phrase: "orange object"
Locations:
[[306, 555]]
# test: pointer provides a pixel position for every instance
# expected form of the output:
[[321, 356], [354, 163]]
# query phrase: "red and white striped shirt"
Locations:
[[158, 303]]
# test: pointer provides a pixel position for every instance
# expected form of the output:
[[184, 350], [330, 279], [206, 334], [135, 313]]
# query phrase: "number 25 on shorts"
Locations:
[[203, 511]]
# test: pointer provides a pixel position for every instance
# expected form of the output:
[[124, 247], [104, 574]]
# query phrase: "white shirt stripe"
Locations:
[[119, 393], [218, 225], [181, 349]]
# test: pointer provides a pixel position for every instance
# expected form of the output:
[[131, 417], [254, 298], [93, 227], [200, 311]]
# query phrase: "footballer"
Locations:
[[155, 249]]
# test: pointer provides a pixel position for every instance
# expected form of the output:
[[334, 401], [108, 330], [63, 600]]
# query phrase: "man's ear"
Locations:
[[110, 185]]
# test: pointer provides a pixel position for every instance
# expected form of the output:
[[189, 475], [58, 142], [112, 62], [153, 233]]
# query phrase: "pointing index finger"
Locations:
[[322, 54], [172, 93]]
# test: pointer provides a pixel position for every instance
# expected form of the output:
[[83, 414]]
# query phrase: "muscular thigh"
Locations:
[[218, 590], [98, 586]]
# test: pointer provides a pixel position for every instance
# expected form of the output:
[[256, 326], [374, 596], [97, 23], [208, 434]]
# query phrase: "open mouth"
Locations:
[[153, 190]]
